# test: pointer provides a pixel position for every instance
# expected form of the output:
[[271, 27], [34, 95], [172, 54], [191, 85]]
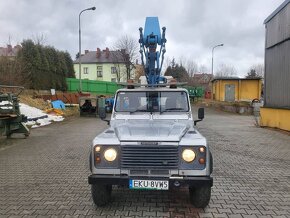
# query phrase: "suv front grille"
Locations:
[[149, 157]]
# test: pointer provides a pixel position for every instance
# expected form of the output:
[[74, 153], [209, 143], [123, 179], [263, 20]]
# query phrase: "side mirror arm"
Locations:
[[196, 121], [108, 121], [200, 115]]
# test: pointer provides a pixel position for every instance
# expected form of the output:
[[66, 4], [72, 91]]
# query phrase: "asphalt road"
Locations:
[[45, 175]]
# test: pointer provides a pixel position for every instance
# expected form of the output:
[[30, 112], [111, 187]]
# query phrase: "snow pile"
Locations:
[[36, 117]]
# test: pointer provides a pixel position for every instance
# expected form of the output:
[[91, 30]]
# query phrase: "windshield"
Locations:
[[152, 101]]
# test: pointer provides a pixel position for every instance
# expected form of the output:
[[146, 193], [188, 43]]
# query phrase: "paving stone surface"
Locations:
[[45, 175]]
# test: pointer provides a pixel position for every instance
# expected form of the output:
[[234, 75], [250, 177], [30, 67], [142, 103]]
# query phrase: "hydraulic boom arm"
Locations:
[[149, 42]]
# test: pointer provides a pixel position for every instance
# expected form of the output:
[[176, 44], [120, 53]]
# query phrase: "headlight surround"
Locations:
[[110, 154], [188, 155]]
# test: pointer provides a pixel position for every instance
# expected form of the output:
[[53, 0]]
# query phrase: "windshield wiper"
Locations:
[[174, 109], [139, 110]]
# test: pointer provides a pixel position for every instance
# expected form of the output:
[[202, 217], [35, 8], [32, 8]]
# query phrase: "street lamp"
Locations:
[[80, 50], [212, 57]]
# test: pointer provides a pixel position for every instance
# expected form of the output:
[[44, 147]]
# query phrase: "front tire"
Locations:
[[101, 194], [200, 196]]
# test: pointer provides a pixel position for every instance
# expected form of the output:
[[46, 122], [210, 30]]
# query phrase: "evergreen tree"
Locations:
[[62, 70], [252, 74], [70, 66], [44, 70], [44, 67], [178, 72], [32, 61]]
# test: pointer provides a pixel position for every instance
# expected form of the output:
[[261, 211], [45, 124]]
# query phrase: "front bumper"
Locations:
[[195, 181]]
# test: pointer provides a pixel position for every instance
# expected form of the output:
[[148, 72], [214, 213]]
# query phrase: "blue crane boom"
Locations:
[[149, 43]]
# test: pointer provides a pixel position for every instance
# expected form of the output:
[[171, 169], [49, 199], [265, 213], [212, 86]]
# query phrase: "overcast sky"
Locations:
[[193, 26]]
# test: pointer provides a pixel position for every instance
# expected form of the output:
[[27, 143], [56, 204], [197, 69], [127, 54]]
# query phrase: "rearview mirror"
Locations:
[[200, 113]]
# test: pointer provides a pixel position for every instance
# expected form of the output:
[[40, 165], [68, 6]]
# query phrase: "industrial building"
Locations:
[[236, 89], [276, 110]]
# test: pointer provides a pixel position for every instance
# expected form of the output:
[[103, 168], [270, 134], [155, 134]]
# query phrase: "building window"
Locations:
[[113, 70], [99, 71], [86, 70], [113, 80]]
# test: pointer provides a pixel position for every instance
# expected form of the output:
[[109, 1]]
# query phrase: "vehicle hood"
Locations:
[[150, 130]]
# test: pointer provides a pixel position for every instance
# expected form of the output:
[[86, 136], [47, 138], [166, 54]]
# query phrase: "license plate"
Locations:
[[148, 184]]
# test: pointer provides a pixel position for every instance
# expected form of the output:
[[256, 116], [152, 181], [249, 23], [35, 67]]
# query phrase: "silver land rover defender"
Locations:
[[152, 143]]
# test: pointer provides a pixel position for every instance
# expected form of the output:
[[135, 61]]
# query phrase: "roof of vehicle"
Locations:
[[165, 89]]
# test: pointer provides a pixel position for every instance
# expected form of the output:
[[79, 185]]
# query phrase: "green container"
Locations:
[[97, 87], [195, 92]]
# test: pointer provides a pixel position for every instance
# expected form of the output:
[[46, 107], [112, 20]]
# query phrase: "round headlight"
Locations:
[[188, 155], [110, 154]]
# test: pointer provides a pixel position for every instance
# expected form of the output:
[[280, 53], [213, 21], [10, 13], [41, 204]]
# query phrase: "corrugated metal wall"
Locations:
[[277, 76], [278, 28], [277, 60]]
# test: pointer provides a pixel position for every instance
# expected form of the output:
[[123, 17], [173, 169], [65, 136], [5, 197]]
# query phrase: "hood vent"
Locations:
[[109, 131], [191, 132]]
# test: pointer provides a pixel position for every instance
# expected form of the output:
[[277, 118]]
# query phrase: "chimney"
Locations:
[[98, 53], [107, 52], [86, 51]]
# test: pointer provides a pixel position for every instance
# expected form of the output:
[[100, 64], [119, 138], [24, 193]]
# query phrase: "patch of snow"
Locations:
[[30, 123], [31, 112], [36, 117], [34, 113], [43, 122], [56, 118]]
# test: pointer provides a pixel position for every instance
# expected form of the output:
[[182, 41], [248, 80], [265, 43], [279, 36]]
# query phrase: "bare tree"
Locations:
[[139, 72], [166, 64], [191, 67], [182, 61], [128, 47], [203, 69], [39, 39], [226, 71]]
